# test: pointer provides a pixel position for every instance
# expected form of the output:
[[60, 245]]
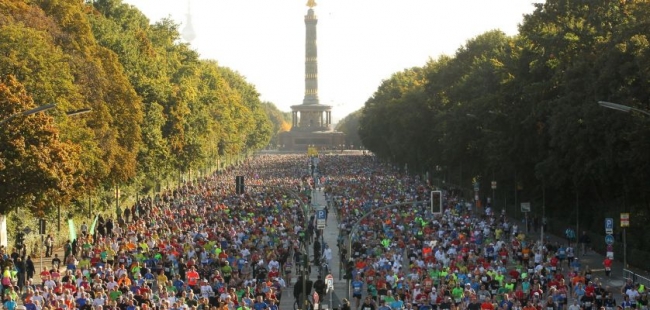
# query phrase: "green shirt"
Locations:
[[226, 270], [115, 295], [457, 292]]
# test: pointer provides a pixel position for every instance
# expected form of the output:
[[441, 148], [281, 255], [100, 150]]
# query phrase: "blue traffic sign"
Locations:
[[321, 215], [609, 223], [609, 239]]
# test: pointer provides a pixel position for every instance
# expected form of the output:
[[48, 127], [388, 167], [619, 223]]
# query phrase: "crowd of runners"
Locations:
[[408, 257], [202, 246]]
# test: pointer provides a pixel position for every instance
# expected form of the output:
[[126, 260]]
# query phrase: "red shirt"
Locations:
[[607, 263], [487, 306], [45, 275], [70, 286]]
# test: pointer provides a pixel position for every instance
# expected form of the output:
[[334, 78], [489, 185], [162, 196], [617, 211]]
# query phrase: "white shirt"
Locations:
[[98, 301], [49, 283], [206, 291], [634, 294], [327, 254], [274, 264], [111, 285]]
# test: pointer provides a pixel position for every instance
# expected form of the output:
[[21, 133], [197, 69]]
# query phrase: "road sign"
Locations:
[[609, 239], [609, 226], [625, 220], [525, 207], [321, 216], [329, 281], [494, 184]]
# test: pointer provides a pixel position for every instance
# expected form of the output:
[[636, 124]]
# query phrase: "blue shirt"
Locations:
[[260, 306], [178, 284], [81, 302], [357, 286], [10, 305]]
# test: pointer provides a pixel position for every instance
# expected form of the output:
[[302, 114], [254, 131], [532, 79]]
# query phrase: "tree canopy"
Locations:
[[158, 109], [522, 110]]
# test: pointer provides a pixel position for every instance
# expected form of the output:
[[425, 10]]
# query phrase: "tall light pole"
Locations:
[[621, 107], [58, 208], [29, 112], [43, 108], [626, 109]]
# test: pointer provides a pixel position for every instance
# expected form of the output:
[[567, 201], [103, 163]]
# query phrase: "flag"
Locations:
[[73, 230], [92, 227]]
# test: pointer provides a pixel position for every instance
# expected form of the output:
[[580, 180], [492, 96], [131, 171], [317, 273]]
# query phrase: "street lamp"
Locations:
[[78, 112], [626, 109], [42, 108], [620, 107], [29, 112]]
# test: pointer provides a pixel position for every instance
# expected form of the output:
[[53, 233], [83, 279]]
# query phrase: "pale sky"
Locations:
[[360, 42]]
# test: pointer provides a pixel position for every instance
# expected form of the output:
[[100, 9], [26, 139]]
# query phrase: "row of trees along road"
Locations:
[[523, 111], [158, 111]]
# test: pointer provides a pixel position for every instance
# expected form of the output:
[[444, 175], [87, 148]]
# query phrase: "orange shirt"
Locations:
[[577, 279], [192, 277], [525, 252], [124, 280]]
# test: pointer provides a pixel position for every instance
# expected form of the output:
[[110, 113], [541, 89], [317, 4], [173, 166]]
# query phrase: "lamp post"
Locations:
[[43, 108], [622, 108], [626, 109], [29, 112], [58, 211]]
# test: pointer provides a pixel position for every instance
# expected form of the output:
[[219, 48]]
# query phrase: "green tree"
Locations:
[[37, 169], [280, 121], [350, 126]]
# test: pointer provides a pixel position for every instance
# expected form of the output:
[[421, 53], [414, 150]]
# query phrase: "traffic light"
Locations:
[[436, 202], [20, 240], [239, 184], [41, 226]]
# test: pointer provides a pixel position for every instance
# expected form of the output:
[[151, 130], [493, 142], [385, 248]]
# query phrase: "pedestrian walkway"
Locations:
[[329, 237], [594, 262]]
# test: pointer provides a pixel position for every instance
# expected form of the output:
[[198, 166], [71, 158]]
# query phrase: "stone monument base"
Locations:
[[299, 141]]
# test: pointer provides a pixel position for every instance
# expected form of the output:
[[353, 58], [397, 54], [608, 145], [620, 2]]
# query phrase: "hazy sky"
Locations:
[[360, 42]]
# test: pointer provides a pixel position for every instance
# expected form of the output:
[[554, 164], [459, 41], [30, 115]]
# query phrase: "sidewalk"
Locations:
[[46, 263], [594, 261], [330, 235]]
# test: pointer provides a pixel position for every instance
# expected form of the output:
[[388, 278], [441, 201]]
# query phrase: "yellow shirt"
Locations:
[[162, 278]]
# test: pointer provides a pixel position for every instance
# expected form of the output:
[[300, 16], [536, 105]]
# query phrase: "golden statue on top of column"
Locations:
[[311, 3]]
